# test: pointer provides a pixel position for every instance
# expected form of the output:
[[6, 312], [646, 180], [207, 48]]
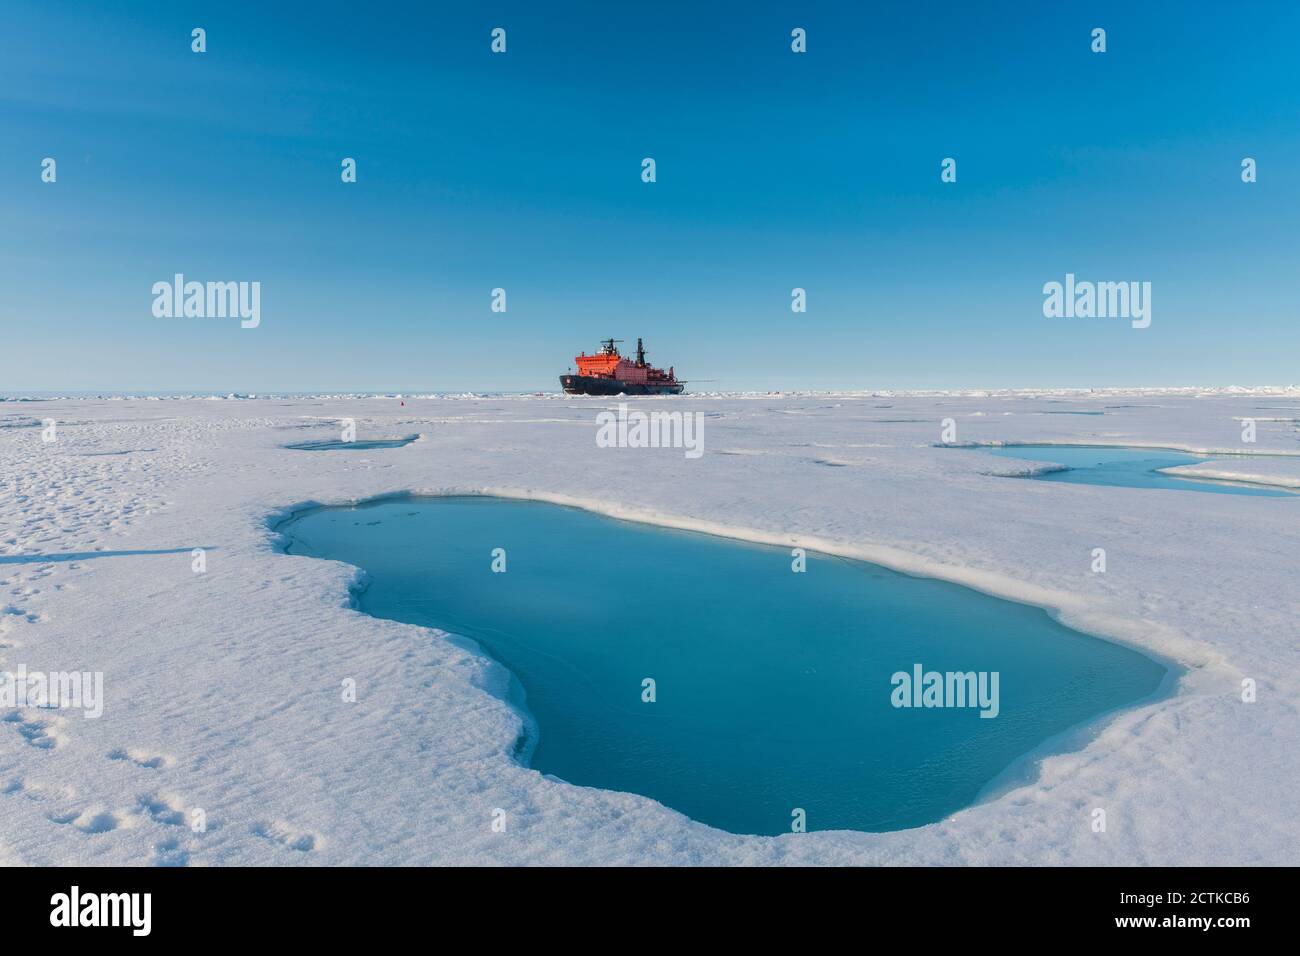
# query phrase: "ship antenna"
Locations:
[[640, 352]]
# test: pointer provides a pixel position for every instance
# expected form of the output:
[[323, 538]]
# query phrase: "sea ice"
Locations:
[[226, 737]]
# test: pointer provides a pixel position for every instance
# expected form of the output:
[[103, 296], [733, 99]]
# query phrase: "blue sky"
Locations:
[[522, 171]]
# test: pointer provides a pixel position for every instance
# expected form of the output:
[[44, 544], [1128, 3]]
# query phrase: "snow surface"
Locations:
[[223, 688], [1278, 472]]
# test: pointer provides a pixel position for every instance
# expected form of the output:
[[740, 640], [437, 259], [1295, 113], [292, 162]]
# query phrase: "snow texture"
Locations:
[[224, 688]]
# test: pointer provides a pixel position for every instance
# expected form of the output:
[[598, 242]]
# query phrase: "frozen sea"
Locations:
[[224, 688]]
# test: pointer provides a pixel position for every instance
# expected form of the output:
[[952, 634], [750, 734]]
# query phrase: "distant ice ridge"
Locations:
[[1184, 391]]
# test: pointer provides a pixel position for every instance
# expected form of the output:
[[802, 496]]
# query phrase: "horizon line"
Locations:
[[27, 395]]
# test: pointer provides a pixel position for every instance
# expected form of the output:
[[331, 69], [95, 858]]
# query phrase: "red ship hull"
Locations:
[[600, 385]]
